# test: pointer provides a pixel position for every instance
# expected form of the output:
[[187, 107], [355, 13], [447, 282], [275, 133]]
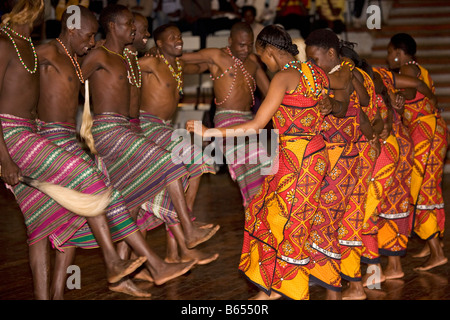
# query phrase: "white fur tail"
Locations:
[[86, 124]]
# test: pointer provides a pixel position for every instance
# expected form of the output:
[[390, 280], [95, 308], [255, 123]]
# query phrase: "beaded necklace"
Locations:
[[178, 76], [312, 92], [138, 81], [110, 51], [127, 65], [247, 76], [74, 62], [4, 29]]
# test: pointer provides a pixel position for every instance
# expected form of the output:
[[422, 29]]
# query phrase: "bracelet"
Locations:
[[351, 65]]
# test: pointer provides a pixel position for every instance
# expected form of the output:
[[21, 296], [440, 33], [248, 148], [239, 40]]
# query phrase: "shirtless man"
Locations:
[[45, 219], [137, 167], [236, 73], [157, 109], [61, 79]]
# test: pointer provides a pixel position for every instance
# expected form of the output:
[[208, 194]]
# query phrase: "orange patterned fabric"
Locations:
[[278, 219]]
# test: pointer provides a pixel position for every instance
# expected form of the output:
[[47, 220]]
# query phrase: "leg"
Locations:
[[264, 296], [40, 268], [437, 257], [394, 268], [172, 255], [187, 254], [333, 295], [160, 270], [355, 291], [116, 268], [194, 235], [62, 261], [191, 193]]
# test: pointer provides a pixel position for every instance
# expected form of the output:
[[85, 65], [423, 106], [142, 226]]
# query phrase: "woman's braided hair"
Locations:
[[276, 36]]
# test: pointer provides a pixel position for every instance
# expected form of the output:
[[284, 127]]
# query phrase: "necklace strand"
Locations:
[[138, 81], [110, 51], [317, 91], [247, 76], [74, 62], [178, 76], [5, 29]]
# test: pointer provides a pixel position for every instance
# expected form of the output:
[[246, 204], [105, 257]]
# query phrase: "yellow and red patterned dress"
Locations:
[[429, 134], [395, 211], [381, 188], [278, 219], [332, 222]]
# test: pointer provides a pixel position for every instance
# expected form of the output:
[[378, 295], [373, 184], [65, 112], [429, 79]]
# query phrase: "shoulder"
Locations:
[[46, 51], [148, 63]]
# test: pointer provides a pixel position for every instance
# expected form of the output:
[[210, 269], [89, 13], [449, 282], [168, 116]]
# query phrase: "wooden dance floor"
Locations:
[[219, 202]]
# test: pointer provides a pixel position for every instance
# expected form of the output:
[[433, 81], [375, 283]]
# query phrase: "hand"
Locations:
[[196, 127], [375, 144], [397, 101], [152, 52], [325, 106], [10, 172]]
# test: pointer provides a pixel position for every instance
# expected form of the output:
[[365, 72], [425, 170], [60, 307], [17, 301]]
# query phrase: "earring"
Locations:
[[396, 59]]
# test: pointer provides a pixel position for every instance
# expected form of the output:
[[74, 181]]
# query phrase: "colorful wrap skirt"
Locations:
[[429, 135], [246, 172], [336, 189], [117, 214], [394, 225], [380, 187], [39, 158], [162, 133], [278, 219], [137, 167]]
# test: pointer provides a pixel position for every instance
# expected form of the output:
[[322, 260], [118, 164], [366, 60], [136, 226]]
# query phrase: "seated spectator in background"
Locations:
[[331, 15], [196, 18], [225, 13], [167, 11], [248, 14], [143, 7], [294, 14]]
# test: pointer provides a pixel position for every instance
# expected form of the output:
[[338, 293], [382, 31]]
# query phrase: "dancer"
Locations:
[[336, 232], [137, 167], [278, 219], [156, 111], [57, 110], [429, 134], [236, 73], [46, 221]]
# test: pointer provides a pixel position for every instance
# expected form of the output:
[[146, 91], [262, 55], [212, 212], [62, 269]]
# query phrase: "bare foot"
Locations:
[[426, 250], [128, 287], [123, 268], [432, 262], [171, 271], [392, 274], [355, 291], [264, 296], [423, 253], [201, 257], [203, 225], [200, 236], [143, 275]]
